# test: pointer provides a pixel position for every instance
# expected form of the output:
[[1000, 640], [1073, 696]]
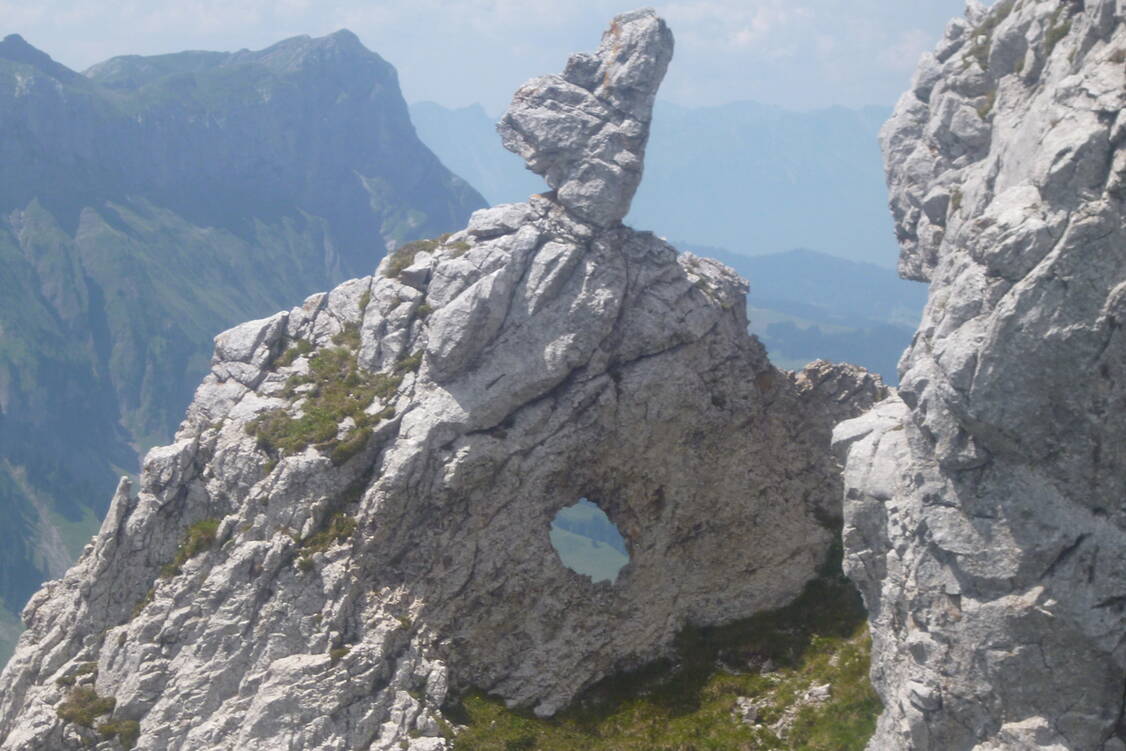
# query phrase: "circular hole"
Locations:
[[587, 541]]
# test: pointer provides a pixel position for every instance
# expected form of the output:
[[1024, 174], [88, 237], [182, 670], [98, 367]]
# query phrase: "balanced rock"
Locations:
[[985, 515], [585, 131], [352, 527]]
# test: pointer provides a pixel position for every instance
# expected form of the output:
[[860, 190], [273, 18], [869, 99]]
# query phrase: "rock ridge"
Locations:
[[984, 517]]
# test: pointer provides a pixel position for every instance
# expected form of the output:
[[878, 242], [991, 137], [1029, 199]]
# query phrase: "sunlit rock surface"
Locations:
[[985, 514], [354, 519]]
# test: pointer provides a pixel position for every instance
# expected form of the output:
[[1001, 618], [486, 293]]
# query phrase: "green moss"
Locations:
[[126, 731], [83, 706], [403, 257], [198, 539], [687, 703]]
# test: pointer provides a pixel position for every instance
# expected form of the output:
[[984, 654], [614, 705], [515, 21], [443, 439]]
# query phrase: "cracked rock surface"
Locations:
[[351, 526], [986, 509], [585, 131]]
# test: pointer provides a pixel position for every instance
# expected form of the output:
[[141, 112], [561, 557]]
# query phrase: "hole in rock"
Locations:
[[587, 541]]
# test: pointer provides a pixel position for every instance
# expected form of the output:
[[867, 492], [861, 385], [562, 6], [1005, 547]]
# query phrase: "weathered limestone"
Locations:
[[359, 577], [585, 131], [985, 515]]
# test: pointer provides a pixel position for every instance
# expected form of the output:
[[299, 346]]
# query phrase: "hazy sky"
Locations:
[[794, 53]]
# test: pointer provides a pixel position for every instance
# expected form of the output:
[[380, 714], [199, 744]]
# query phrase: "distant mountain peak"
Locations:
[[16, 49]]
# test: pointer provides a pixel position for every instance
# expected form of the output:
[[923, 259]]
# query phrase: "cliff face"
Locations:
[[985, 521], [353, 522], [150, 204]]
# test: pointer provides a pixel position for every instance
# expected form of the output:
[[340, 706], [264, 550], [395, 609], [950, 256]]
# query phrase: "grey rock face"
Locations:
[[257, 591], [585, 131], [985, 521]]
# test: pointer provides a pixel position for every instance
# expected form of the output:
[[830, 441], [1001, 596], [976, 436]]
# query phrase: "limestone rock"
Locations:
[[985, 522], [585, 131], [353, 523]]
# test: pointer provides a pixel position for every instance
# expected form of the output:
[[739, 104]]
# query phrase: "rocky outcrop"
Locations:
[[585, 131], [984, 513], [352, 525]]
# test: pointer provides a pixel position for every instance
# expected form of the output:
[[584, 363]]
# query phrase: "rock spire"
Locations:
[[585, 131]]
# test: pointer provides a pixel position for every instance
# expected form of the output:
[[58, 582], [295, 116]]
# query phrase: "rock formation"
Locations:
[[985, 516], [352, 524]]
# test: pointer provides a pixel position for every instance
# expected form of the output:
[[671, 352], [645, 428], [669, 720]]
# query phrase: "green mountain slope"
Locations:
[[150, 204]]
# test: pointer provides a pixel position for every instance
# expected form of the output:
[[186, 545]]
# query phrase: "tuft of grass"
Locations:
[[1057, 29], [341, 389], [986, 105], [403, 257], [688, 703], [198, 539], [955, 202], [365, 300], [409, 364], [126, 731], [340, 527], [338, 654], [423, 310], [83, 706], [143, 603], [458, 249], [300, 348]]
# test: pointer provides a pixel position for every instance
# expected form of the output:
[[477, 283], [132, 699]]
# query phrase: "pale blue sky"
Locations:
[[794, 53]]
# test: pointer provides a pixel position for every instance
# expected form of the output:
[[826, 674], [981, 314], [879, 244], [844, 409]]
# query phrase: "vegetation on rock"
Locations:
[[335, 389], [770, 660], [199, 538], [83, 706]]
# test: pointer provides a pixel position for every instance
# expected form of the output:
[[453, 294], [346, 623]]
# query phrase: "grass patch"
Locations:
[[955, 202], [402, 257], [340, 527], [83, 706], [365, 300], [340, 389], [143, 603], [688, 705], [126, 731], [986, 105], [1057, 29], [198, 539], [338, 654], [300, 348], [409, 364]]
